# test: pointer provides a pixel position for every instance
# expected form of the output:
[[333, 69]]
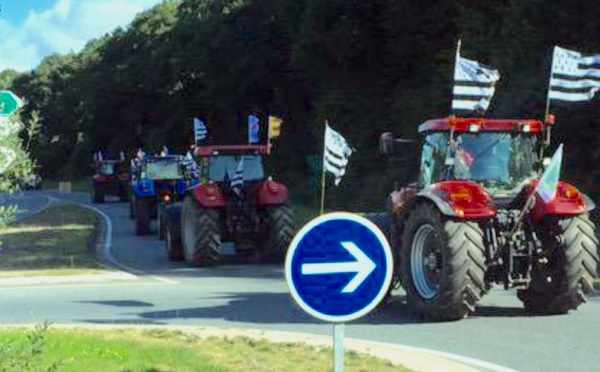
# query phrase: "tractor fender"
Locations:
[[459, 199], [208, 195], [569, 201], [271, 192], [144, 189]]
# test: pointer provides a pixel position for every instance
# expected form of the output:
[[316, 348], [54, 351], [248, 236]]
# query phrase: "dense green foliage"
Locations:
[[366, 66]]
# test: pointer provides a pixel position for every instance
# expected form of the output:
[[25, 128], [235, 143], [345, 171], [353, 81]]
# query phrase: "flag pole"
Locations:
[[457, 56], [323, 173], [546, 141]]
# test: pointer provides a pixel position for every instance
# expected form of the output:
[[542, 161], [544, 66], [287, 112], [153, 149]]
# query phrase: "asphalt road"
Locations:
[[256, 296]]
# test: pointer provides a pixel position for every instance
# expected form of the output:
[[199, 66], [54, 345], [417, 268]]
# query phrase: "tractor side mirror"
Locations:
[[386, 144]]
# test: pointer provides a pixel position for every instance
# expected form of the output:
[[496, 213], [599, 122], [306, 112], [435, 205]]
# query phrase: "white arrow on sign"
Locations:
[[363, 266]]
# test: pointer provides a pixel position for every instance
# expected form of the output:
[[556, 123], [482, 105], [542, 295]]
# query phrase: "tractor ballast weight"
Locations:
[[474, 219], [109, 179], [257, 218]]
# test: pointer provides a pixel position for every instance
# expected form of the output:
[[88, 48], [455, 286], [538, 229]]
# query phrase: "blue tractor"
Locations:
[[158, 181]]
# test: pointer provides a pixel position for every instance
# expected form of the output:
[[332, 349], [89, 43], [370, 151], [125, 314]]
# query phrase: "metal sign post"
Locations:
[[318, 263], [338, 347]]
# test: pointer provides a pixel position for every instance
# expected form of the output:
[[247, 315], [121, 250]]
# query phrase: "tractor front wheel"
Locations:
[[280, 227], [97, 193], [160, 221], [443, 264], [142, 213], [173, 242], [201, 233], [561, 281]]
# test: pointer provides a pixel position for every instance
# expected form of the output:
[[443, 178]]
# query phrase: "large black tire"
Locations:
[[97, 193], [200, 233], [173, 244], [132, 208], [124, 193], [143, 218], [383, 221], [160, 221], [448, 285], [571, 248], [281, 228]]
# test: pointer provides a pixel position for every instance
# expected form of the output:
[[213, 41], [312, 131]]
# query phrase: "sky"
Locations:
[[33, 29]]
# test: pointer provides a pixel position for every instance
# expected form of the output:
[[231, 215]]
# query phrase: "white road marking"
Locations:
[[106, 249]]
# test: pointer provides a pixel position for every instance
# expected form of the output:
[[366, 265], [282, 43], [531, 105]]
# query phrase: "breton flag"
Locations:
[[546, 188], [237, 183], [574, 78], [474, 85], [274, 127], [200, 131], [337, 152]]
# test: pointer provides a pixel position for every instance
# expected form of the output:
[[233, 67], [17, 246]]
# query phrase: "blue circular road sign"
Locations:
[[339, 267]]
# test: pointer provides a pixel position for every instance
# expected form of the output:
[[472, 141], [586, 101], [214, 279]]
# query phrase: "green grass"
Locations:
[[61, 237], [161, 351]]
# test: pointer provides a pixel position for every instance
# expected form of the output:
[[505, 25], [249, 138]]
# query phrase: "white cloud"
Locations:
[[65, 27]]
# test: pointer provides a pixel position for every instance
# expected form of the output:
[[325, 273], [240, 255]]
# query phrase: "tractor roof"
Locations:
[[481, 125], [206, 151]]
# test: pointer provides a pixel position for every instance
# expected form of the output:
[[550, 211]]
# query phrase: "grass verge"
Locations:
[[58, 241], [158, 350]]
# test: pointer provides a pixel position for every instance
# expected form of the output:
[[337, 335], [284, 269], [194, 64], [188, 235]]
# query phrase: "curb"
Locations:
[[61, 279], [420, 360]]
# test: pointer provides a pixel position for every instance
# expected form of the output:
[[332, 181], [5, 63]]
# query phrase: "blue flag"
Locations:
[[546, 189], [253, 128]]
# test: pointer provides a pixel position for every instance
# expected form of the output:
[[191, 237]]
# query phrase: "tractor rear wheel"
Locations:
[[280, 232], [97, 193], [142, 213], [132, 208], [443, 264], [571, 248], [173, 242], [201, 233], [160, 221]]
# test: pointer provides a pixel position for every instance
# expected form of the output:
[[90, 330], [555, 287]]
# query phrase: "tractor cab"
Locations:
[[499, 155]]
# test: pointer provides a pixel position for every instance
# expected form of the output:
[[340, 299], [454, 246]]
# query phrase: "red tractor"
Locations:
[[110, 179], [234, 202], [473, 219]]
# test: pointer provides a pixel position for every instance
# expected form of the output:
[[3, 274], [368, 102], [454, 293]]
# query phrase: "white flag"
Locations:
[[474, 85], [237, 183], [200, 131], [574, 78], [337, 152]]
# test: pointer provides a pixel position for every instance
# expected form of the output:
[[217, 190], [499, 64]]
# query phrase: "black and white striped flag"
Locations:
[[200, 131], [337, 152], [575, 78], [237, 183], [474, 85]]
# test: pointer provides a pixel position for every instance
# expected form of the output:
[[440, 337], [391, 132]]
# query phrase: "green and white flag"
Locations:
[[546, 189]]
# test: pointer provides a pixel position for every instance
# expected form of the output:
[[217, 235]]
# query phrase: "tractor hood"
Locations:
[[461, 199]]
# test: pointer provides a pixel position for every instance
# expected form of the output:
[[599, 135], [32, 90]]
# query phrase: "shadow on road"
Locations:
[[119, 303]]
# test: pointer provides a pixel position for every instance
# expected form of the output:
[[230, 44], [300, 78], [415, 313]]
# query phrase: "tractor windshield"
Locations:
[[107, 169], [498, 161], [163, 169], [223, 167]]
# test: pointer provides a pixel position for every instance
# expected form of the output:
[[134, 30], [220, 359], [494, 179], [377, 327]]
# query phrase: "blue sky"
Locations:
[[34, 29]]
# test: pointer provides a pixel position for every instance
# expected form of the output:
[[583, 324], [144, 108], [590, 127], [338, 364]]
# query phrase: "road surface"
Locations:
[[256, 296]]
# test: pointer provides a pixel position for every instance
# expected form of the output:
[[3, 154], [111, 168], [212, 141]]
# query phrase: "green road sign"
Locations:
[[9, 103]]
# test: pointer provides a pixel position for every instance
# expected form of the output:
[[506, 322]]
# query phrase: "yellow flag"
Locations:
[[274, 126]]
